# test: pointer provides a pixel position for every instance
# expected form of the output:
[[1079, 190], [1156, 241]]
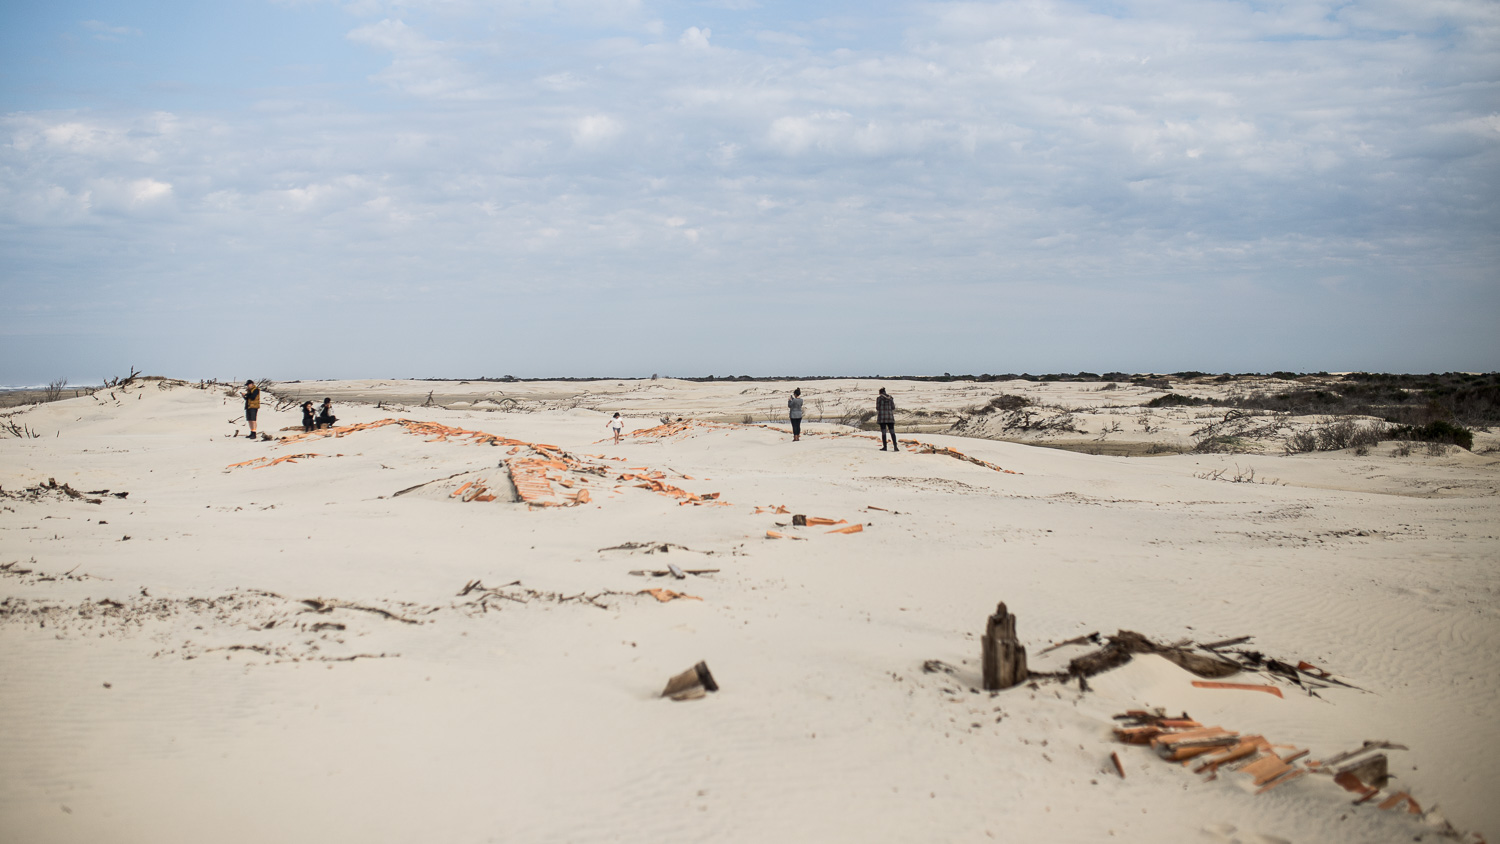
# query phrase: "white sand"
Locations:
[[541, 721]]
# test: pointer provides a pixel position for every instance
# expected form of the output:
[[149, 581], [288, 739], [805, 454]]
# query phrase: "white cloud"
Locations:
[[596, 130], [421, 66], [127, 196], [694, 38], [984, 144]]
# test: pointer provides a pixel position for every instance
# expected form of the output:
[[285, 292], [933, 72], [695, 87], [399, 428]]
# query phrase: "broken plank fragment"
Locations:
[[1281, 779], [1248, 687], [1398, 798]]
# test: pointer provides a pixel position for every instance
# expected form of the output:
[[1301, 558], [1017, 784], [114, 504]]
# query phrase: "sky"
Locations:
[[452, 188]]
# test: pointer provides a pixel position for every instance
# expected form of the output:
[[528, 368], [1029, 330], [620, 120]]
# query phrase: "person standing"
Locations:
[[617, 425], [885, 414], [794, 411], [252, 404]]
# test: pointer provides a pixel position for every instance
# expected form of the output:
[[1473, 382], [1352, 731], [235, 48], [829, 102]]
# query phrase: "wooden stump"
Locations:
[[1004, 658]]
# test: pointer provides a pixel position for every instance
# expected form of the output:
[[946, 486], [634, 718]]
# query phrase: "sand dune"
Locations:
[[291, 651]]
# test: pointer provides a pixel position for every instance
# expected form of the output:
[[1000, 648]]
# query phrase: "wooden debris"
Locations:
[[854, 528], [665, 595], [1092, 638], [691, 684], [1213, 646], [1119, 768], [1400, 797], [1125, 643], [1002, 655], [1248, 687]]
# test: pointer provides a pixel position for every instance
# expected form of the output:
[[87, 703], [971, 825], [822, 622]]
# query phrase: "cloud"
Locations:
[[1038, 149], [105, 32], [421, 66], [694, 38], [596, 130]]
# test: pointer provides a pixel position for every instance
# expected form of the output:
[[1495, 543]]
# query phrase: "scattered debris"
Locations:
[[691, 684], [653, 548], [1209, 750], [1125, 643], [534, 468], [29, 576], [665, 595], [53, 489], [1090, 639], [665, 572], [854, 528], [487, 598]]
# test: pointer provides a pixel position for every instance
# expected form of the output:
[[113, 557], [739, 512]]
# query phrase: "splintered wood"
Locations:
[[1256, 762], [543, 474], [1208, 749]]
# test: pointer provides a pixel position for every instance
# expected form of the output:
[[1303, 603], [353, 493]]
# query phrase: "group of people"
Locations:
[[325, 417], [312, 418], [885, 416]]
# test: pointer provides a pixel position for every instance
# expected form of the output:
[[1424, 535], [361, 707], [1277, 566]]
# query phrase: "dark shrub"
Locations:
[[1174, 400], [1006, 402], [1440, 431]]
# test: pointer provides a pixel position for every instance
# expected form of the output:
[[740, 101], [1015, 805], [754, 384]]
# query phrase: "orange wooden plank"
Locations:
[[1248, 687]]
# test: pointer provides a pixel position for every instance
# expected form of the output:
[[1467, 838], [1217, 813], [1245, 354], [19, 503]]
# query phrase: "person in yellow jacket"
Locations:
[[252, 404]]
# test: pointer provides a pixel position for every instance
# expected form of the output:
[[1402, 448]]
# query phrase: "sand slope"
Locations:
[[282, 652]]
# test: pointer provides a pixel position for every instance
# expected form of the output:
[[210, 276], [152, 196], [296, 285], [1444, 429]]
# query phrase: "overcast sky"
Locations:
[[454, 188]]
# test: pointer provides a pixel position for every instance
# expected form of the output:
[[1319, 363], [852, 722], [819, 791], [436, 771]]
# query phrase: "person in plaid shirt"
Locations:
[[885, 414]]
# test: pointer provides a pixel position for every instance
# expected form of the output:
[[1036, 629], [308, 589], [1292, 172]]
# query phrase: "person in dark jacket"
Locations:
[[252, 404], [307, 416], [794, 412], [885, 414], [325, 416]]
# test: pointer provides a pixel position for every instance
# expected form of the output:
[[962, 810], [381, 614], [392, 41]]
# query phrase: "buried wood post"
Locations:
[[1004, 658]]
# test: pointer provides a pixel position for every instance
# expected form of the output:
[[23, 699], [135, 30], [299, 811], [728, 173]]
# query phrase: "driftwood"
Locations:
[[329, 606], [1003, 656], [1126, 643], [1090, 639], [433, 481], [652, 547]]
